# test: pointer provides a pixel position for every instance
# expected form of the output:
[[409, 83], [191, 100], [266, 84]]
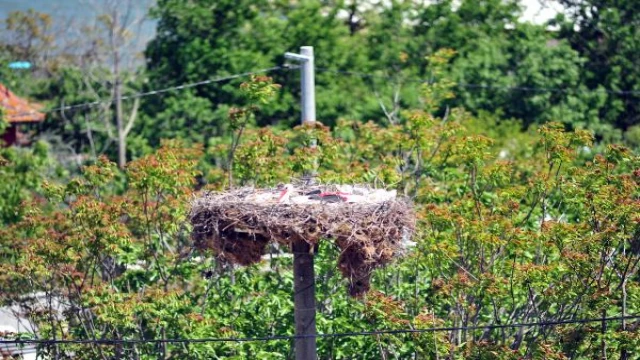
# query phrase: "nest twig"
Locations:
[[238, 228]]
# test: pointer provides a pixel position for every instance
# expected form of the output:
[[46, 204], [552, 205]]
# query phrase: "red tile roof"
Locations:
[[16, 109]]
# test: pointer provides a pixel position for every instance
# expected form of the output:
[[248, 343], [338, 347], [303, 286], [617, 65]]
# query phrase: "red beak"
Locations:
[[282, 194]]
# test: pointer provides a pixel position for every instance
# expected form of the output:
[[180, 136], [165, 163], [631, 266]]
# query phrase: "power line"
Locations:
[[555, 90], [351, 73], [482, 86], [200, 83], [327, 335], [165, 90]]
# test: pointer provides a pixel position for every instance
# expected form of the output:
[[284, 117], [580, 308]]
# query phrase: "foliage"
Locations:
[[22, 172], [546, 233], [4, 123], [632, 136], [528, 59], [605, 33], [515, 226], [213, 50], [68, 71], [28, 34], [369, 56], [502, 66], [80, 129]]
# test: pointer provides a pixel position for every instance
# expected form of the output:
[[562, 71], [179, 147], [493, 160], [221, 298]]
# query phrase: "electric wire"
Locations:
[[484, 86], [163, 90], [325, 335]]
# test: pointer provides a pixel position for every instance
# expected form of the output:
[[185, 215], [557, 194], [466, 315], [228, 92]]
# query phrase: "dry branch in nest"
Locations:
[[370, 230]]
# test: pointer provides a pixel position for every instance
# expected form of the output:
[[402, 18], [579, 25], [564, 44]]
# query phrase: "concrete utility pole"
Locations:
[[304, 277]]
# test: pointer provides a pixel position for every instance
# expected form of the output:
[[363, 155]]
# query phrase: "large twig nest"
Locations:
[[370, 226]]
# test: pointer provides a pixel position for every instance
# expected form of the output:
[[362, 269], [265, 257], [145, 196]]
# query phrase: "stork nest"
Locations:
[[238, 229]]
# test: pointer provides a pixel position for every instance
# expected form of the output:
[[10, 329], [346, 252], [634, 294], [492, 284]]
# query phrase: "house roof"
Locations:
[[18, 110]]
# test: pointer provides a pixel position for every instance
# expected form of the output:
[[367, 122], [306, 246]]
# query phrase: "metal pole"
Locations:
[[308, 85], [304, 296]]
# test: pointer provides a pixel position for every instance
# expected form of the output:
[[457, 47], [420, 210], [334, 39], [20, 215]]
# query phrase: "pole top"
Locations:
[[296, 57], [306, 54], [307, 51]]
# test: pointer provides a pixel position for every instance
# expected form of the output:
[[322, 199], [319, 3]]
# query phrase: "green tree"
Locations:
[[538, 67], [22, 171], [549, 235], [446, 24], [216, 38], [606, 33], [226, 37]]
